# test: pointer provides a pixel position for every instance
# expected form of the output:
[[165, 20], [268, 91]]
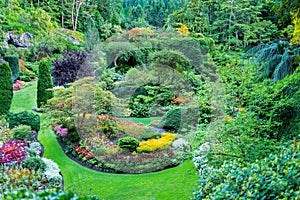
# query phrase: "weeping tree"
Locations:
[[276, 60]]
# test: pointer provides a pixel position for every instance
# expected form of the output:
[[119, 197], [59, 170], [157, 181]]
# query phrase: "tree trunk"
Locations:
[[62, 14], [73, 8], [229, 24], [237, 38], [77, 9]]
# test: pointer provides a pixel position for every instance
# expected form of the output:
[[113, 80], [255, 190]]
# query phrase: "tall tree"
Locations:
[[75, 12], [44, 83], [6, 88]]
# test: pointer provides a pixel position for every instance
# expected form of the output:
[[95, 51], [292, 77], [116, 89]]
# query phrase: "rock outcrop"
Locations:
[[22, 41]]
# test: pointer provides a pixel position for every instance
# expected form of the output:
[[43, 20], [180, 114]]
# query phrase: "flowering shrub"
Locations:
[[84, 152], [156, 144], [180, 100], [13, 151], [63, 132], [18, 85], [15, 178]]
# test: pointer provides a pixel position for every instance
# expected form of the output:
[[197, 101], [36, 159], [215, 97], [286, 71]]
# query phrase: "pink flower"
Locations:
[[64, 132]]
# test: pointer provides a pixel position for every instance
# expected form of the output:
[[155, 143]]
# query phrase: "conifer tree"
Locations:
[[6, 88], [44, 83]]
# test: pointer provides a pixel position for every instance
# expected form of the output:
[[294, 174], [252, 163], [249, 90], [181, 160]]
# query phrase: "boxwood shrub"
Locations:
[[25, 118]]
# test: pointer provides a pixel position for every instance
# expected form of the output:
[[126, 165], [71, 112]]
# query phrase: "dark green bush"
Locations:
[[25, 118], [34, 163], [22, 132], [14, 66], [172, 119], [275, 177], [128, 143], [6, 88], [44, 83]]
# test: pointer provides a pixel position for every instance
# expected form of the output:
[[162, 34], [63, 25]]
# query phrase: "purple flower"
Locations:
[[63, 132]]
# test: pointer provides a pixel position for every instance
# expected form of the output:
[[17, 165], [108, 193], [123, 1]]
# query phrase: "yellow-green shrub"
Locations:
[[5, 135], [156, 144]]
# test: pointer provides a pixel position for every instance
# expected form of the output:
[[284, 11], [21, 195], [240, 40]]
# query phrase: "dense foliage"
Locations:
[[221, 76], [6, 88], [73, 66], [44, 83], [276, 176], [25, 118], [14, 66]]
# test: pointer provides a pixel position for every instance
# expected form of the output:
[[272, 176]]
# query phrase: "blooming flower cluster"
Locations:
[[84, 152], [63, 132], [156, 144], [18, 84], [13, 178], [13, 151]]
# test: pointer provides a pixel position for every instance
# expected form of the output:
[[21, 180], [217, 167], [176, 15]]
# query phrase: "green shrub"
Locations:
[[44, 83], [25, 118], [6, 134], [34, 163], [22, 132], [27, 76], [128, 143], [275, 177], [6, 88], [14, 66], [171, 120]]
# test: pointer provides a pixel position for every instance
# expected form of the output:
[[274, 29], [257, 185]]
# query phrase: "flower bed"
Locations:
[[121, 146]]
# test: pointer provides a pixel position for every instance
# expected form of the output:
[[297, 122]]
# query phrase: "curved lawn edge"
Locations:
[[174, 183]]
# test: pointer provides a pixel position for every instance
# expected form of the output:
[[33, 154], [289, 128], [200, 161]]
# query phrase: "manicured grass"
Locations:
[[145, 121], [24, 99], [174, 183]]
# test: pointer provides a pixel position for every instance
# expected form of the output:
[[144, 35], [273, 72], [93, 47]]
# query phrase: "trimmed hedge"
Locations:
[[14, 66], [25, 118], [128, 143], [6, 88], [275, 177], [44, 83], [172, 119]]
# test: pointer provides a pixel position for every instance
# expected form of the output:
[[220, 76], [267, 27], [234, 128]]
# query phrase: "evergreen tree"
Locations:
[[115, 19], [14, 66], [6, 88], [44, 83]]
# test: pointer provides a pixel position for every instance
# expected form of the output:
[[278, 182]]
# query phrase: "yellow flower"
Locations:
[[229, 118]]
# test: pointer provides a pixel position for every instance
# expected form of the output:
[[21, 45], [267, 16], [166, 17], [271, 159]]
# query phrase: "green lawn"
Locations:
[[24, 99], [176, 183], [145, 121]]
